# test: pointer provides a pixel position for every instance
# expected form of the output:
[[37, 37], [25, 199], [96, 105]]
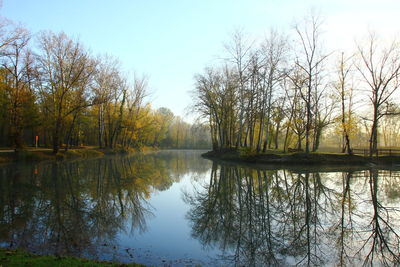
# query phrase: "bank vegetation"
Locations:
[[55, 93]]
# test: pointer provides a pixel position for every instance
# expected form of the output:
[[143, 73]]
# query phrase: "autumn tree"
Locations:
[[66, 71], [134, 102], [164, 119], [17, 65], [115, 111]]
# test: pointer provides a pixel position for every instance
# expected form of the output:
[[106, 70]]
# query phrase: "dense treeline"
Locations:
[[281, 94], [52, 87]]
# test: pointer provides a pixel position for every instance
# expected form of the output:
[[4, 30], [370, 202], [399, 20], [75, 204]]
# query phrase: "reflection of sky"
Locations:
[[168, 235]]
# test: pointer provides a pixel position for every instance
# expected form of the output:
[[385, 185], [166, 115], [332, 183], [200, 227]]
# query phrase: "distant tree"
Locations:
[[164, 118]]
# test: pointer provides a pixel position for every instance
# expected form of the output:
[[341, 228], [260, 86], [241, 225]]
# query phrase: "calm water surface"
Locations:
[[173, 208]]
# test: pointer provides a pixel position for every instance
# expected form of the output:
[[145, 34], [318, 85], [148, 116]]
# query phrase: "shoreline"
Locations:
[[297, 160], [39, 155], [18, 257]]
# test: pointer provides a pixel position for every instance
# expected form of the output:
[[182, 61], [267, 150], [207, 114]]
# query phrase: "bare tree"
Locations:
[[135, 99], [379, 68], [106, 82], [9, 33], [310, 60], [274, 50], [345, 93], [239, 50], [215, 99], [115, 111], [205, 102], [296, 81]]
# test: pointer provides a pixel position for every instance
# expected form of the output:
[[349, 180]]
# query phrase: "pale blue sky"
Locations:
[[172, 40]]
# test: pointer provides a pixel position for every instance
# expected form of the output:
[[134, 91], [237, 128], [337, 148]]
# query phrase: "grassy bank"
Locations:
[[35, 155], [21, 258], [298, 158]]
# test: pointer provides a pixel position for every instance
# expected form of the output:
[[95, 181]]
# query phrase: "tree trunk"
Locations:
[[373, 141], [317, 134], [308, 123], [68, 139], [278, 126], [101, 126], [56, 140]]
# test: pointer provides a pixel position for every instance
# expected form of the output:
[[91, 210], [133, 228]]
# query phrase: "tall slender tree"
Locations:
[[310, 59]]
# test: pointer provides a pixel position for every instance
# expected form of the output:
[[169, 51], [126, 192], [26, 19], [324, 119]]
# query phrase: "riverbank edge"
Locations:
[[26, 155], [299, 158], [11, 257]]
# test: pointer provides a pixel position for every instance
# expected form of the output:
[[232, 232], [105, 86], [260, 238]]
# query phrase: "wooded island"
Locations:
[[287, 93]]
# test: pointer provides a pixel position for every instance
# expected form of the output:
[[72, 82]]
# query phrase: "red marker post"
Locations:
[[36, 140]]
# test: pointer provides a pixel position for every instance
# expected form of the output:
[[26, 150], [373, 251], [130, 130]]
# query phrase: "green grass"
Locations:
[[22, 258]]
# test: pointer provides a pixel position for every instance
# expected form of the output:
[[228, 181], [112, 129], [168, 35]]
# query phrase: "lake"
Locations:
[[174, 208]]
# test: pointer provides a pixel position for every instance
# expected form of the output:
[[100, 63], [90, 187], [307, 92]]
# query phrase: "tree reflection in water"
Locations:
[[256, 217], [279, 217], [78, 208]]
